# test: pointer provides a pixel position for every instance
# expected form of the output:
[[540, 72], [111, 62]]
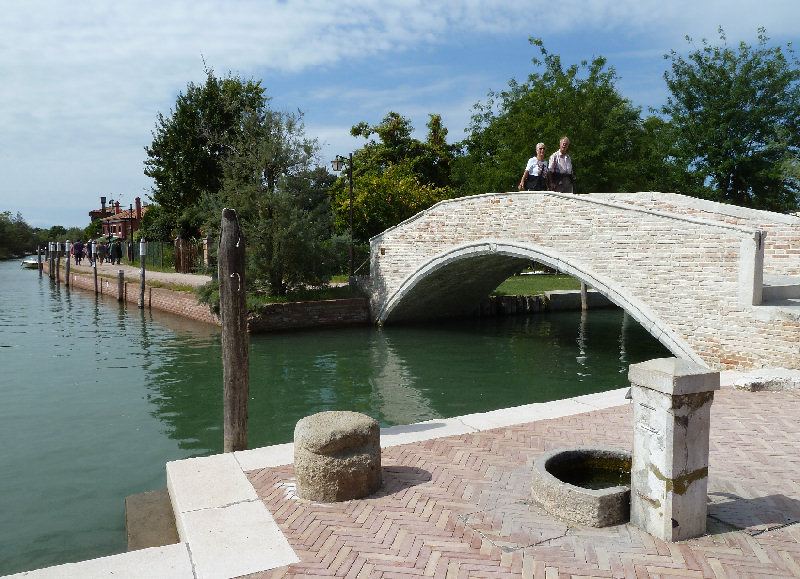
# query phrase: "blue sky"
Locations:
[[81, 84]]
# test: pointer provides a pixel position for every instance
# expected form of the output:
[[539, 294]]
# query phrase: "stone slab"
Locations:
[[266, 456], [673, 376], [204, 483], [171, 561], [236, 540]]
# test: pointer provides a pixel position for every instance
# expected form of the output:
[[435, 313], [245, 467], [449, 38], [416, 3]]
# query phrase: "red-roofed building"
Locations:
[[118, 222]]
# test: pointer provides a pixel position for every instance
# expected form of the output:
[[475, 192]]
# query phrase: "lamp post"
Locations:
[[338, 164]]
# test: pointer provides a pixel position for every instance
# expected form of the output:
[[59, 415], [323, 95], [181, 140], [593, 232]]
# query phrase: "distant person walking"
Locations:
[[562, 176], [116, 252], [77, 251], [536, 173], [101, 252]]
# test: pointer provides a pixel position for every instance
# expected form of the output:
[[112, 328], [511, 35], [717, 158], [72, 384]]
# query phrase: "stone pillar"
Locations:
[[669, 472]]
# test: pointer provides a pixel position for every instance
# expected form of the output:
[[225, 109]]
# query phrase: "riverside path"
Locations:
[[716, 284]]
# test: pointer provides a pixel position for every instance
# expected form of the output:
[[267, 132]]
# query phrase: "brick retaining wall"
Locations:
[[274, 317]]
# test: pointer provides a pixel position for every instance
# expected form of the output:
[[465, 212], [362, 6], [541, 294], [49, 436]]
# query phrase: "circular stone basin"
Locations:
[[589, 485]]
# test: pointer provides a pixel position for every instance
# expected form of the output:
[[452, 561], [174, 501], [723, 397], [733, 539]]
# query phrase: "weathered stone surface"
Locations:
[[592, 507], [337, 456], [669, 475]]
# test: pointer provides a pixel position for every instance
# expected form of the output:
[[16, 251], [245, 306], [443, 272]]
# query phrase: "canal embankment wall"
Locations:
[[309, 314]]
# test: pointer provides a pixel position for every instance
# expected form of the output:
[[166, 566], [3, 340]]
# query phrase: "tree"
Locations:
[[282, 200], [736, 119], [16, 237], [223, 146], [394, 175], [189, 145], [157, 225], [580, 102]]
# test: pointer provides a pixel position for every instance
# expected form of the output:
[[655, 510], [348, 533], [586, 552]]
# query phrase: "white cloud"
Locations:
[[82, 82]]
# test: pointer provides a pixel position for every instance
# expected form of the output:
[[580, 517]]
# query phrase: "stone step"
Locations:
[[781, 288], [149, 520]]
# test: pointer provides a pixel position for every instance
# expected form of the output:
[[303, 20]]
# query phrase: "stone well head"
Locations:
[[588, 485]]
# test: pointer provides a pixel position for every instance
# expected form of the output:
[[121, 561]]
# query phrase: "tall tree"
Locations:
[[190, 144], [395, 175], [736, 119], [580, 101], [16, 237], [282, 200]]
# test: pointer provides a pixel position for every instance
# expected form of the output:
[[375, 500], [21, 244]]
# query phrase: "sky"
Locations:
[[82, 83]]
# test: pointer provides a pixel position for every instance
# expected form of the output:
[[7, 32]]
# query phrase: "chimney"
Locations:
[[116, 208], [103, 205], [138, 209]]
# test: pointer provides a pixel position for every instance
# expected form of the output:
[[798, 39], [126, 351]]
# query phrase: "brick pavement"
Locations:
[[460, 506]]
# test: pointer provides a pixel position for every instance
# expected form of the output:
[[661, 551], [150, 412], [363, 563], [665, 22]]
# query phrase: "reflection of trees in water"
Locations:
[[394, 387], [397, 374]]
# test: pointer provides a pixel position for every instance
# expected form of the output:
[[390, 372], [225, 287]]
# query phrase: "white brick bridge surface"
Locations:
[[714, 283]]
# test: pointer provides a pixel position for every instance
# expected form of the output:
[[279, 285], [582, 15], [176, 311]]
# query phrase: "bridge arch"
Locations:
[[691, 272], [451, 283]]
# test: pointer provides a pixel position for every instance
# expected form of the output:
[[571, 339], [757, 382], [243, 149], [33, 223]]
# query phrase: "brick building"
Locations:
[[119, 222]]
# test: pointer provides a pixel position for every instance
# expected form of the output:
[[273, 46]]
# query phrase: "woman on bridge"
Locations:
[[535, 176]]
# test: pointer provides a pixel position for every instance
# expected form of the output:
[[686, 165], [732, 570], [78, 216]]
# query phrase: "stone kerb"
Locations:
[[337, 456]]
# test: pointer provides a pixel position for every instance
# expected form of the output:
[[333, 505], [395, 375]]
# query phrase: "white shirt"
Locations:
[[536, 167], [561, 163]]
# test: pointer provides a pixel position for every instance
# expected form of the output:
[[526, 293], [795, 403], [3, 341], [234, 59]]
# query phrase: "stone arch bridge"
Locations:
[[716, 284]]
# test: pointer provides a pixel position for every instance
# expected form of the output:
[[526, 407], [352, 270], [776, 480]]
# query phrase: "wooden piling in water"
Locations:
[[142, 259], [121, 285], [233, 311], [94, 266], [68, 252]]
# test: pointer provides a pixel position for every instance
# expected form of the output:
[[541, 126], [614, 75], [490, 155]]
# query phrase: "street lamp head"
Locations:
[[338, 163]]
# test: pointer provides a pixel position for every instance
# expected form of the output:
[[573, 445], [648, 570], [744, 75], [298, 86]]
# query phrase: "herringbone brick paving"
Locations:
[[460, 506]]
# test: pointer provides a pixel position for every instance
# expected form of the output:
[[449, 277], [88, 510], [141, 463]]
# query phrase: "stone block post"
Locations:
[[669, 472]]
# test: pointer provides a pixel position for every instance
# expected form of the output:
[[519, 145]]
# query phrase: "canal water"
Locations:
[[96, 396]]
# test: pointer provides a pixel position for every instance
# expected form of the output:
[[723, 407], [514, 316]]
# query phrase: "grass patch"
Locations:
[[315, 294], [529, 285]]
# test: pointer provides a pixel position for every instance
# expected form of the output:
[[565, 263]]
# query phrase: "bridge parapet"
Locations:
[[692, 282], [782, 239]]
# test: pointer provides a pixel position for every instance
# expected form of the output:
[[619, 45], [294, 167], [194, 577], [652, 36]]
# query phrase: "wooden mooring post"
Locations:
[[121, 285], [68, 252], [142, 260], [58, 262], [233, 311], [94, 267]]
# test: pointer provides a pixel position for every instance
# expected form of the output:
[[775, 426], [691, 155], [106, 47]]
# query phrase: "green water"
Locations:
[[95, 397]]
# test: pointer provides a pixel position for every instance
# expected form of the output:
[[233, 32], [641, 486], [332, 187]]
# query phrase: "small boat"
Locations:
[[30, 262]]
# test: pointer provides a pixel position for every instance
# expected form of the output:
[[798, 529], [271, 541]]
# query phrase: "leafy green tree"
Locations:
[[16, 237], [157, 225], [394, 175], [223, 146], [736, 115], [185, 159], [281, 199], [581, 102], [93, 230]]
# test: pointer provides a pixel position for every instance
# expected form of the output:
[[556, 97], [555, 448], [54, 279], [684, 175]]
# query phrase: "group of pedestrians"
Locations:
[[111, 253], [555, 174]]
